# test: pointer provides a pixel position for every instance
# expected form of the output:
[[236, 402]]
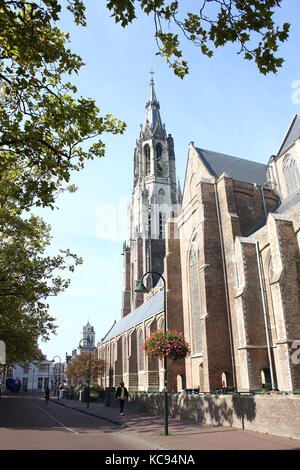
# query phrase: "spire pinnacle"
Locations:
[[152, 73], [152, 117]]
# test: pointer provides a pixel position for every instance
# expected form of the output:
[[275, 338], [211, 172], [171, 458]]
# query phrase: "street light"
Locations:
[[89, 371], [142, 289], [58, 375]]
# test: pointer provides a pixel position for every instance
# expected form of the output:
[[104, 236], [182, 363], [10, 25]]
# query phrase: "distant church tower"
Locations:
[[87, 338], [155, 199]]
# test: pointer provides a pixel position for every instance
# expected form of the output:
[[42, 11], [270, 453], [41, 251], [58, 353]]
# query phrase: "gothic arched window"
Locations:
[[125, 355], [147, 158], [291, 174], [158, 159], [195, 297], [161, 196], [140, 343]]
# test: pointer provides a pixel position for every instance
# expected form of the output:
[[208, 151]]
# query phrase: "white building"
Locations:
[[36, 375]]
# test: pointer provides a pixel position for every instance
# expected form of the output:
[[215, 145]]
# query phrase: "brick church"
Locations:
[[228, 248]]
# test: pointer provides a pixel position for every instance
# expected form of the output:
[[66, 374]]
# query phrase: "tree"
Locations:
[[27, 278], [213, 23], [45, 128], [78, 369], [46, 133]]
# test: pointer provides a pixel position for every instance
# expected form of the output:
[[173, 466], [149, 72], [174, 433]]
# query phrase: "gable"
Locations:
[[195, 171], [292, 135]]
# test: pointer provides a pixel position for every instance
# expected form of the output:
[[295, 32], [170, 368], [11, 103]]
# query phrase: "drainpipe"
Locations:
[[228, 310], [265, 314], [264, 202]]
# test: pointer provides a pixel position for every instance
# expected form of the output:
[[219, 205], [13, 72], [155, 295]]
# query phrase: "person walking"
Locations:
[[47, 392], [121, 395]]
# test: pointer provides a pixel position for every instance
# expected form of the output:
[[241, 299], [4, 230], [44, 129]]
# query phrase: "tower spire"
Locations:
[[152, 116]]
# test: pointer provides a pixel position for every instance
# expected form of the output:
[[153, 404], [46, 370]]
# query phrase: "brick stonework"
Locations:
[[230, 241], [235, 277], [270, 414]]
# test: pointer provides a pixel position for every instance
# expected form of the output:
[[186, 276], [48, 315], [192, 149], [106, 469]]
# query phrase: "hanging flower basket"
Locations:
[[170, 344]]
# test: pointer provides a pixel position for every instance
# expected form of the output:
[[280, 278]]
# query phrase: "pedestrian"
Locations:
[[47, 392], [121, 395]]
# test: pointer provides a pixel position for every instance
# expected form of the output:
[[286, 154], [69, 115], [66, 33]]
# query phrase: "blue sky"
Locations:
[[223, 105]]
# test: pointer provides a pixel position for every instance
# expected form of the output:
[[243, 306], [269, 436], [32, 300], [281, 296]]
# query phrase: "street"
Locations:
[[28, 422]]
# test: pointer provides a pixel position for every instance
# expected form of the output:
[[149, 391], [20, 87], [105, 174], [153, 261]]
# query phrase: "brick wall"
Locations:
[[271, 414]]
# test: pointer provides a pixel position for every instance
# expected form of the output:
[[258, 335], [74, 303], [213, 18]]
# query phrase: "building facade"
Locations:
[[230, 256], [239, 242], [34, 376]]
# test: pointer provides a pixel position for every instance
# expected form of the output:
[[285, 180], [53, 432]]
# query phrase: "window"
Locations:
[[140, 351], [158, 160], [161, 196], [291, 174], [149, 225], [162, 222], [40, 383], [195, 297], [125, 361], [147, 158]]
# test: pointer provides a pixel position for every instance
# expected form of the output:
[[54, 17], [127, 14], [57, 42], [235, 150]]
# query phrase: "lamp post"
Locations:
[[141, 288], [89, 371], [58, 374], [49, 375], [33, 371]]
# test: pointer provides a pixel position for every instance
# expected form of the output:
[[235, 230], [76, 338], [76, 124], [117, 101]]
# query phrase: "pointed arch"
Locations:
[[161, 196], [291, 174], [158, 159], [147, 158], [125, 354], [140, 351], [194, 292]]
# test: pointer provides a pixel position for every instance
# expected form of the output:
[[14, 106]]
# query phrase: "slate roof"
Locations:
[[148, 309], [292, 134], [238, 169]]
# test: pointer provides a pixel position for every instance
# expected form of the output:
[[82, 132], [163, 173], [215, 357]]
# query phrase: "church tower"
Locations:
[[154, 200], [87, 340]]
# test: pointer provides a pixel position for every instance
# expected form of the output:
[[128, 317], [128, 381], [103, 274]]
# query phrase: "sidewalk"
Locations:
[[182, 436]]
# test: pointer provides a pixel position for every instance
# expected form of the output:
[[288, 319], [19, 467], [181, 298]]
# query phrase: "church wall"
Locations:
[[118, 360], [249, 204], [231, 227], [252, 347], [285, 290], [217, 351], [172, 274], [132, 361], [205, 370], [241, 210], [151, 364], [294, 151]]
